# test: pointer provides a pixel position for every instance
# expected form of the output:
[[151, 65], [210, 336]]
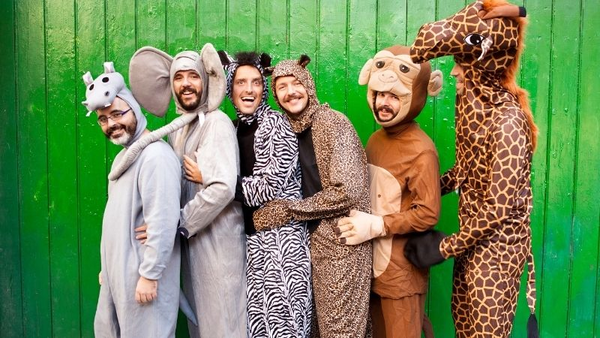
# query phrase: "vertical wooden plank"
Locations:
[[418, 13], [62, 158], [304, 32], [33, 180], [150, 30], [361, 46], [561, 152], [583, 306], [11, 309], [332, 55], [391, 23], [91, 151], [272, 33], [212, 27]]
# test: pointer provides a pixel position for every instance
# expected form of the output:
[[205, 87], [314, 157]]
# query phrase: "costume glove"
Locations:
[[423, 249], [273, 215], [359, 228]]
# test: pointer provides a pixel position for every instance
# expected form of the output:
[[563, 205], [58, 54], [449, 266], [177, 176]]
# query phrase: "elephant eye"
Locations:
[[474, 39], [404, 69], [379, 64]]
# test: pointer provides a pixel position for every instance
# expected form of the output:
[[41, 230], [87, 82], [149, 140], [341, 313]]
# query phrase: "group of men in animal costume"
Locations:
[[288, 228]]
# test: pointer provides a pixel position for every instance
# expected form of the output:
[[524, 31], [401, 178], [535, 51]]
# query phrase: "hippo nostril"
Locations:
[[106, 93]]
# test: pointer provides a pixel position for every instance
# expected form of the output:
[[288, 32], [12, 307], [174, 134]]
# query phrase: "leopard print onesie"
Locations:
[[335, 180]]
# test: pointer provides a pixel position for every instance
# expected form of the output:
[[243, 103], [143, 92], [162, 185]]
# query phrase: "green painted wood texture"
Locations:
[[54, 161]]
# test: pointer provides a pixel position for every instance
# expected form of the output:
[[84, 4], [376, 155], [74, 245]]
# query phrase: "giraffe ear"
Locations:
[[436, 80]]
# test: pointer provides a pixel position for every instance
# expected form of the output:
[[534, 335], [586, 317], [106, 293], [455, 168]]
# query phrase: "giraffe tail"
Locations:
[[532, 323]]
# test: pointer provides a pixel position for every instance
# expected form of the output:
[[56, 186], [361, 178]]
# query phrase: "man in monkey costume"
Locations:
[[405, 190]]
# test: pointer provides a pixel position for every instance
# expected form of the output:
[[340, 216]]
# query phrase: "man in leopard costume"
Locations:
[[495, 140], [334, 181]]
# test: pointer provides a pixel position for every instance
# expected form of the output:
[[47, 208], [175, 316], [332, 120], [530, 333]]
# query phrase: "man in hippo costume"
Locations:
[[139, 290], [214, 245], [405, 190]]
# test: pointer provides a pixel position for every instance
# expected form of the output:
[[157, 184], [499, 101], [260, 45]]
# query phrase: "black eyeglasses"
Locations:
[[116, 116]]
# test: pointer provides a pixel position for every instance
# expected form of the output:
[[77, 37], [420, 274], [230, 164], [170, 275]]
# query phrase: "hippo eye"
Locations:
[[404, 69], [105, 79], [379, 64], [91, 87], [474, 39]]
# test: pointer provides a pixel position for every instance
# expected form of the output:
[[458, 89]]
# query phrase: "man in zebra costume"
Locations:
[[279, 293], [334, 181]]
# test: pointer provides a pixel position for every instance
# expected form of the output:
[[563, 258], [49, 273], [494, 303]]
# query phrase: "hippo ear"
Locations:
[[87, 78], [149, 79], [365, 73], [216, 76], [109, 67]]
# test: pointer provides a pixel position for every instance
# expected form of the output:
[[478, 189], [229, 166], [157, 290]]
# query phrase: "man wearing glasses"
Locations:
[[139, 292]]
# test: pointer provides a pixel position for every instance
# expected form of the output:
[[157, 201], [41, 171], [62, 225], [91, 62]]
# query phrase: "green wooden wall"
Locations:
[[54, 161]]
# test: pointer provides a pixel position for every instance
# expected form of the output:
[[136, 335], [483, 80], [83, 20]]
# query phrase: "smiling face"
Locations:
[[118, 132], [187, 85], [291, 94], [387, 106], [247, 89]]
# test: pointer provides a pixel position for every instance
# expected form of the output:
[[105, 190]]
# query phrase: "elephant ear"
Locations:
[[149, 79], [216, 76]]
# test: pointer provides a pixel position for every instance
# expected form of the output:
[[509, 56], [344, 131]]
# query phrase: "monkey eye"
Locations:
[[474, 39], [404, 69], [379, 64]]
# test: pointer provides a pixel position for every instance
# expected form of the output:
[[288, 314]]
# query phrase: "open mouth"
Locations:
[[248, 99]]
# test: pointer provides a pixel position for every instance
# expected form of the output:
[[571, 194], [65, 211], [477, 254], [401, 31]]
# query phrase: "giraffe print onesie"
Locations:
[[495, 140]]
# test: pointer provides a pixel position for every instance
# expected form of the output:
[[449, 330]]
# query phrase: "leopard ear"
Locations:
[[304, 60]]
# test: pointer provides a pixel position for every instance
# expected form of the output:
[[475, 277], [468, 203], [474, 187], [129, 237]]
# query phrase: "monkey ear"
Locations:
[[436, 80], [265, 60], [225, 58], [304, 60], [365, 73]]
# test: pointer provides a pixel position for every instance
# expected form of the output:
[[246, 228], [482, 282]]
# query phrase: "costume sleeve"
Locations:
[[276, 153], [347, 176], [159, 184], [448, 181], [424, 187], [218, 162], [507, 168]]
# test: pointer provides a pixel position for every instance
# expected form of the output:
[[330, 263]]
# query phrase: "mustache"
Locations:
[[114, 128], [385, 108], [292, 96], [187, 88]]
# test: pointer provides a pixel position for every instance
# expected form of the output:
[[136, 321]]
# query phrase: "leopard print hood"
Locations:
[[297, 68]]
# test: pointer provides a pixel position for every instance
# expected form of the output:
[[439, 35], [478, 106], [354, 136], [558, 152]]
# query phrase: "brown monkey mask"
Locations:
[[392, 70]]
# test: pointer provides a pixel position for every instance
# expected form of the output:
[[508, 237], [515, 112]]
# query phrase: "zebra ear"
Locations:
[[224, 57], [265, 60]]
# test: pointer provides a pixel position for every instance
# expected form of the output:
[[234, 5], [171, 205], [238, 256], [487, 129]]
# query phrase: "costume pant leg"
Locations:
[[106, 323], [460, 299], [377, 316], [342, 283], [403, 317]]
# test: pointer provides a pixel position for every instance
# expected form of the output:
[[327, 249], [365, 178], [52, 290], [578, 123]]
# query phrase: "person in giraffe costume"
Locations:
[[495, 141]]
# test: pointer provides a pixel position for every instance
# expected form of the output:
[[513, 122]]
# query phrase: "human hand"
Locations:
[[141, 235], [191, 171], [422, 249], [359, 227], [272, 215], [146, 290]]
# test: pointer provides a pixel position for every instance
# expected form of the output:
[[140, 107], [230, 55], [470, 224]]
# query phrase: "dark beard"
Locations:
[[192, 105], [388, 109], [130, 130]]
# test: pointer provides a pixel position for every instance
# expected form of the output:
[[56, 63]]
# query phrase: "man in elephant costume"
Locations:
[[213, 249], [139, 289]]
